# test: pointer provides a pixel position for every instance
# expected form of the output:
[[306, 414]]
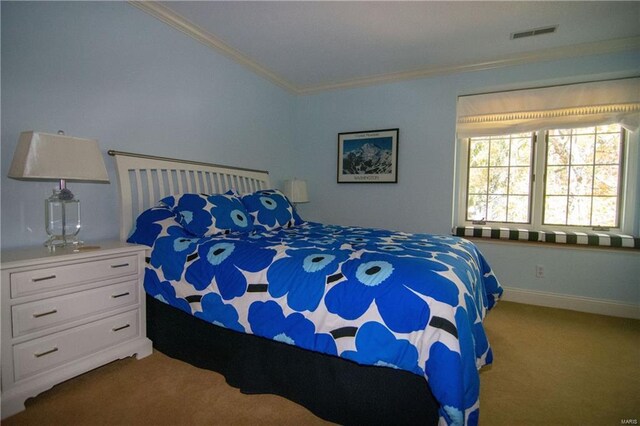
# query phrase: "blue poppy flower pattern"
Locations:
[[229, 213], [377, 345], [148, 226], [271, 210], [414, 302], [308, 266], [205, 215], [192, 212], [268, 320], [224, 262], [172, 250], [392, 282], [215, 311], [163, 291]]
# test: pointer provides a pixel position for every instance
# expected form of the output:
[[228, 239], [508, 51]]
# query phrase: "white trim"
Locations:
[[597, 48], [171, 18], [573, 303]]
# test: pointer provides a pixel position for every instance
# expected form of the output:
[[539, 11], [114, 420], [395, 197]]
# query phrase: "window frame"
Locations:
[[534, 137], [629, 180], [620, 195]]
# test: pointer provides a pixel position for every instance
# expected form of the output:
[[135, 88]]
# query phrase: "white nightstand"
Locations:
[[65, 313]]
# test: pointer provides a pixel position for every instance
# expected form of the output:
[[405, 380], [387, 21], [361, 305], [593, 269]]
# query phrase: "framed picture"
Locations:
[[368, 157]]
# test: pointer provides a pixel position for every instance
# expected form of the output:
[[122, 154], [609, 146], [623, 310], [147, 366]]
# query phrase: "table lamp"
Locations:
[[296, 190], [43, 157]]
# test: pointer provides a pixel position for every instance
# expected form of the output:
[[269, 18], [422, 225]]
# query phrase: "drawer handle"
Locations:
[[50, 351], [43, 314], [120, 265], [49, 277], [121, 328], [115, 296]]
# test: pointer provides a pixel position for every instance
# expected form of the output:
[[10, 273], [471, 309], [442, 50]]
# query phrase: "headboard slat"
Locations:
[[180, 177], [161, 175], [170, 178], [218, 184], [188, 175], [210, 188], [150, 186], [139, 193]]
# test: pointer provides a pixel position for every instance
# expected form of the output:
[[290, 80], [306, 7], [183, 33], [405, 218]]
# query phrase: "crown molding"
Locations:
[[178, 22], [596, 48]]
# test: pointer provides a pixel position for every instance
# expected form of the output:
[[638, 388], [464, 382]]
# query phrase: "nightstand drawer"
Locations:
[[54, 350], [39, 280], [45, 313]]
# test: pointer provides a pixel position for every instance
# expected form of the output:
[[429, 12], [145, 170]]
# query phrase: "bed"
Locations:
[[361, 326]]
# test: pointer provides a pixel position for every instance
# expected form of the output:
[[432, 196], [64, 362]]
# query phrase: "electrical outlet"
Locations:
[[539, 271]]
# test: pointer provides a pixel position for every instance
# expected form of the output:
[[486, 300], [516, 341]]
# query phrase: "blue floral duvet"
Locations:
[[408, 301]]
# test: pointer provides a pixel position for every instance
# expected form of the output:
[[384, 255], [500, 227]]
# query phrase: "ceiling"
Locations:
[[307, 46]]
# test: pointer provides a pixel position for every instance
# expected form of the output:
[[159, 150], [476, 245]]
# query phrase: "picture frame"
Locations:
[[368, 157]]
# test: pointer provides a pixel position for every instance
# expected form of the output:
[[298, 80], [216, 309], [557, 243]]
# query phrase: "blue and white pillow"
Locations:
[[270, 210], [150, 224], [204, 215]]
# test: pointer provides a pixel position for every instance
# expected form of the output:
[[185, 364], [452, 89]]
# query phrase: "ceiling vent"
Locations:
[[534, 32]]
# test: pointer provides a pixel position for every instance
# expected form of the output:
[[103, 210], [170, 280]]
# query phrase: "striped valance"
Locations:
[[580, 238], [573, 105]]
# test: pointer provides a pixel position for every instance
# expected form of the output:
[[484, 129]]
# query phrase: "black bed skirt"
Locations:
[[332, 388]]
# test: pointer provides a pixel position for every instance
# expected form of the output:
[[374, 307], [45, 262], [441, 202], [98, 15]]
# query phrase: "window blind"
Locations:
[[573, 105]]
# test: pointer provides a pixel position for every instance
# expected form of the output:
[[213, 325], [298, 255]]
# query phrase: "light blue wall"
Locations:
[[422, 200], [109, 71]]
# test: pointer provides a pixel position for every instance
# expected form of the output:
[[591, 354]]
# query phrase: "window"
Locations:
[[499, 178], [583, 177], [582, 183], [554, 159]]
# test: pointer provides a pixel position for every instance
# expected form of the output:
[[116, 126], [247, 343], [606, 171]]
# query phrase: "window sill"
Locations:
[[584, 239]]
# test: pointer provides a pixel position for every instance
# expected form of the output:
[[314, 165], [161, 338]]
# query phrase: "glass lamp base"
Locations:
[[62, 220], [55, 241]]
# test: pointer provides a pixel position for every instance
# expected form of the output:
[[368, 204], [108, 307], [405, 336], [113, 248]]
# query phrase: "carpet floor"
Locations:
[[551, 367]]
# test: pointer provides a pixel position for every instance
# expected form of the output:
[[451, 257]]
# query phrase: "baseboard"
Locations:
[[573, 303]]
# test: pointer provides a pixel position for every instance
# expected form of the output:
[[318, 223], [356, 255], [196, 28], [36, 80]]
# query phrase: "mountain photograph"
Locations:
[[372, 156]]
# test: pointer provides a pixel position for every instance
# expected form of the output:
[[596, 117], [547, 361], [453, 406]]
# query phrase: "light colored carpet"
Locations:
[[551, 367], [559, 367]]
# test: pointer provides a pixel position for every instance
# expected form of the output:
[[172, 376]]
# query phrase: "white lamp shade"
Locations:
[[45, 156], [296, 190]]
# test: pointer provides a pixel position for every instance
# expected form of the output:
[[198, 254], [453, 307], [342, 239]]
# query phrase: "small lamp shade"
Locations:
[[44, 156], [296, 190]]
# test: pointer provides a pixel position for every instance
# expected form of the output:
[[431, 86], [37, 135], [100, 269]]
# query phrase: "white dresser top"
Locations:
[[22, 256]]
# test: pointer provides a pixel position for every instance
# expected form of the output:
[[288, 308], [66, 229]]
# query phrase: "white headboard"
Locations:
[[143, 180]]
